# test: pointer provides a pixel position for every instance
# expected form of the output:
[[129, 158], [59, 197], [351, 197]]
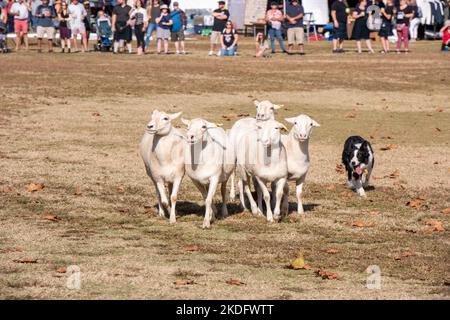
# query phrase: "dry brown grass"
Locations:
[[96, 185]]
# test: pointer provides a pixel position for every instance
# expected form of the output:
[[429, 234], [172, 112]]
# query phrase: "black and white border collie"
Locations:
[[358, 159]]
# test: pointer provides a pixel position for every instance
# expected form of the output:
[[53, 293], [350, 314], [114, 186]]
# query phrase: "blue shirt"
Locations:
[[293, 11], [45, 21], [177, 25], [165, 19]]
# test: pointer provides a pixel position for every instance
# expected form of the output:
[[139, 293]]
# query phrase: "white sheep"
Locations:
[[265, 110], [162, 149], [298, 162], [263, 156], [208, 162]]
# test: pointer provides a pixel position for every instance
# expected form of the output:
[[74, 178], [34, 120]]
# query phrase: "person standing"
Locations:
[[229, 40], [45, 14], [360, 29], [415, 21], [77, 13], [139, 15], [221, 16], [295, 32], [387, 14], [87, 22], [163, 29], [64, 31], [120, 27], [404, 14], [274, 17], [20, 12], [339, 13], [179, 20], [153, 12]]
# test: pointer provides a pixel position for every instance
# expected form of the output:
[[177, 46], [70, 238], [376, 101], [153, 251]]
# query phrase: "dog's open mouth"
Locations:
[[359, 170]]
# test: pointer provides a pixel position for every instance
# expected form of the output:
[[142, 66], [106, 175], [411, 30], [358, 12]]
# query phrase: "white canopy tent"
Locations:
[[197, 4]]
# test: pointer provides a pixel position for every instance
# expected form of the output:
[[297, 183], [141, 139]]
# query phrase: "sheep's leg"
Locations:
[[279, 195], [266, 195], [223, 190], [232, 190], [298, 193], [241, 194], [173, 199], [359, 187], [163, 202], [209, 201], [259, 197], [253, 205], [285, 203], [204, 191]]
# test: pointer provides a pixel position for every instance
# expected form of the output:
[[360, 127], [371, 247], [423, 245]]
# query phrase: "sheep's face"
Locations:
[[160, 122], [269, 132], [196, 129], [265, 110], [303, 126]]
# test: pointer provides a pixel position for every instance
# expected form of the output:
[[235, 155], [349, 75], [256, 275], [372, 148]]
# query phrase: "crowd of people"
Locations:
[[155, 19]]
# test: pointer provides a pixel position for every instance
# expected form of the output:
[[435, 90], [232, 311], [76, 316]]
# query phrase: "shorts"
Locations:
[[20, 26], [177, 36], [295, 35], [385, 30], [77, 28], [162, 33], [123, 32], [49, 31], [215, 37], [341, 31]]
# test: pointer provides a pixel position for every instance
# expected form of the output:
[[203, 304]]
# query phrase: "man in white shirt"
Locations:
[[20, 12], [77, 14]]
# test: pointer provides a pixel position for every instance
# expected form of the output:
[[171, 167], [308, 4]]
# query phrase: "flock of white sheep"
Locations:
[[255, 149]]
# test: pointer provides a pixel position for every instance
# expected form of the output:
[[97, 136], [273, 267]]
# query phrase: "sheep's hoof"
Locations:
[[172, 221], [206, 225], [270, 220]]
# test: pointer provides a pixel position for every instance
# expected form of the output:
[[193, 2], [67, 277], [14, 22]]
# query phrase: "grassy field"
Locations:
[[73, 123]]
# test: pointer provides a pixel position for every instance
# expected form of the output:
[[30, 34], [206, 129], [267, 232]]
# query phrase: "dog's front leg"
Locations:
[[359, 188]]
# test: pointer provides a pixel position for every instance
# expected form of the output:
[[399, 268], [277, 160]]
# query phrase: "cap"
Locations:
[[164, 6], [176, 3]]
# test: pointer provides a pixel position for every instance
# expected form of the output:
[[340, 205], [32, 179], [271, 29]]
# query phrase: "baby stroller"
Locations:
[[104, 33], [3, 47]]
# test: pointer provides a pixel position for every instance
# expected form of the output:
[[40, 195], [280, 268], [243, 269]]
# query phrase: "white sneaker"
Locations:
[[210, 53], [219, 53], [178, 52]]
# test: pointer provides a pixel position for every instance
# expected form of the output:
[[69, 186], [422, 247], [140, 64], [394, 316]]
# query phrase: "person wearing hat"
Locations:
[[274, 17], [163, 29], [120, 26], [179, 20], [295, 32], [221, 16]]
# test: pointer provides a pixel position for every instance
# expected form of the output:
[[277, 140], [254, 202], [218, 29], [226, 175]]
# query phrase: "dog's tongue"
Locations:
[[359, 170]]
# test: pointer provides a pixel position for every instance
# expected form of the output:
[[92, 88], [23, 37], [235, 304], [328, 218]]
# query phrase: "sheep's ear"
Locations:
[[211, 124], [283, 128], [315, 123], [290, 120], [155, 111], [278, 106], [256, 102], [173, 116], [186, 122]]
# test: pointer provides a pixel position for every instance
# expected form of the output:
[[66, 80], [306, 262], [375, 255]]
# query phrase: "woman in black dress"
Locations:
[[360, 29]]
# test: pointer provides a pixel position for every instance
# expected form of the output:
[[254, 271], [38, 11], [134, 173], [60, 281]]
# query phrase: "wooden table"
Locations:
[[255, 26]]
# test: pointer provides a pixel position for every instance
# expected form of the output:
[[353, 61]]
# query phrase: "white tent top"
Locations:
[[197, 4]]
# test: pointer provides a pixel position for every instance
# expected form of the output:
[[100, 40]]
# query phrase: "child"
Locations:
[[445, 31], [386, 26], [261, 45]]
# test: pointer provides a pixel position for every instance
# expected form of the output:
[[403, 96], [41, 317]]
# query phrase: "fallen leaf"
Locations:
[[77, 191], [433, 225], [298, 263], [191, 248], [332, 251], [346, 194], [61, 270], [340, 168], [235, 282], [229, 116], [446, 211], [6, 189], [405, 255], [96, 114], [360, 224], [327, 275], [33, 187], [374, 213], [415, 203], [331, 187], [183, 282], [240, 115], [438, 129], [439, 110], [25, 260], [51, 217], [351, 115], [394, 174], [389, 147], [120, 189]]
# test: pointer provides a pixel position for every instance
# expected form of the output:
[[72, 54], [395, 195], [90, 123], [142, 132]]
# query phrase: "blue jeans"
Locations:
[[228, 52], [150, 28], [276, 33]]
